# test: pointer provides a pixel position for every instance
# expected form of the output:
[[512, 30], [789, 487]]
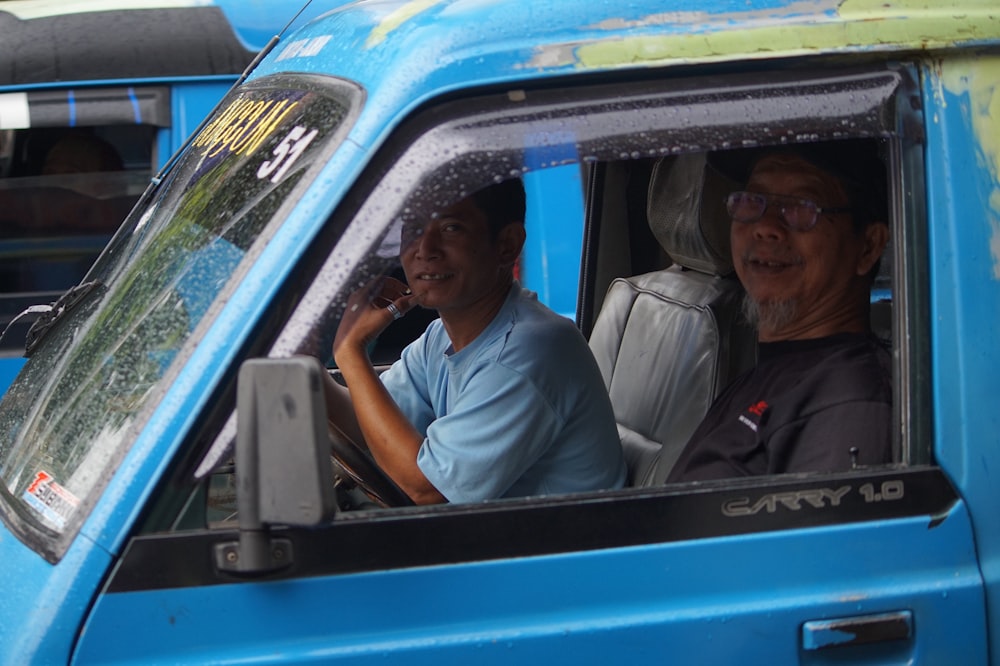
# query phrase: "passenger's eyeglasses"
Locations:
[[796, 214]]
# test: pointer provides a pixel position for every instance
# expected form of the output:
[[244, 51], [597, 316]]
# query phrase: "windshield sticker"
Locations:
[[55, 503], [304, 48], [286, 152], [242, 127]]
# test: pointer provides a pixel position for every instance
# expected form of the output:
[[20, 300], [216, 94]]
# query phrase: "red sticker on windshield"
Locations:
[[50, 499]]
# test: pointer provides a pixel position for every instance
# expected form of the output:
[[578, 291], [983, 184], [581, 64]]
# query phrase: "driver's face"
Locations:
[[452, 262]]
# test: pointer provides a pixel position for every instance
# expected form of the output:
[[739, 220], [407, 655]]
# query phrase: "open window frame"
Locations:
[[458, 146]]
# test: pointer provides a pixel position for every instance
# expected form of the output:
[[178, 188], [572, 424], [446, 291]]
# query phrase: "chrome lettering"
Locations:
[[795, 500]]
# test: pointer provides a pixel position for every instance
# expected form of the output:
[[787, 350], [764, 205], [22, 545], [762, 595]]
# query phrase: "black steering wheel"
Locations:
[[358, 464]]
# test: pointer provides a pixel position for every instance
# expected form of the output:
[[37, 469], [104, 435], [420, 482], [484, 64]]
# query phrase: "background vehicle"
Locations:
[[119, 439], [93, 101]]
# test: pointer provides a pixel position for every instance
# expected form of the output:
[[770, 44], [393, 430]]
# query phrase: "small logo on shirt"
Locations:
[[752, 416]]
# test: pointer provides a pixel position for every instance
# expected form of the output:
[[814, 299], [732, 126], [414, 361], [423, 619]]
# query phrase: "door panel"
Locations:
[[651, 576]]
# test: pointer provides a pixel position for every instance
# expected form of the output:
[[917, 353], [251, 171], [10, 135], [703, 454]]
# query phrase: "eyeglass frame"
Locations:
[[769, 198]]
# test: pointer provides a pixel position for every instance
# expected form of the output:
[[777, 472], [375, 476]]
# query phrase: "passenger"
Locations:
[[497, 363], [78, 152], [807, 236], [57, 207]]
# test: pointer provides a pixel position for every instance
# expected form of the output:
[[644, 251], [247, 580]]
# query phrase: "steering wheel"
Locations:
[[362, 470]]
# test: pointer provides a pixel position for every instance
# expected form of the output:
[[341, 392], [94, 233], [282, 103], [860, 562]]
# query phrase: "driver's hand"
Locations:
[[369, 311]]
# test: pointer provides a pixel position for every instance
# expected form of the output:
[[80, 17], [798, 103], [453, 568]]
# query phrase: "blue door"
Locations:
[[817, 572], [876, 565]]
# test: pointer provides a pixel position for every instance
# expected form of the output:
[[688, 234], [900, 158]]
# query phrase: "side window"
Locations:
[[661, 301]]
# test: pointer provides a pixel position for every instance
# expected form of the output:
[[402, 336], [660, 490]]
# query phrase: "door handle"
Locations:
[[857, 630]]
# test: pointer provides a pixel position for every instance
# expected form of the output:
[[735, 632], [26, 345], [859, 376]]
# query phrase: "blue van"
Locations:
[[94, 98], [167, 491]]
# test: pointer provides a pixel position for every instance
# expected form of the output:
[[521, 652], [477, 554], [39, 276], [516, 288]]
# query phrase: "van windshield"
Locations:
[[101, 357]]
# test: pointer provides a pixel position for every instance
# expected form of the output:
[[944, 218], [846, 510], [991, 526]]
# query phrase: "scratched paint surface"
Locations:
[[978, 81], [798, 27], [795, 29]]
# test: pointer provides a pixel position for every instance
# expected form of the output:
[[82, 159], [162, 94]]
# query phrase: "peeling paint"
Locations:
[[795, 29], [979, 79], [942, 9], [705, 19], [397, 18]]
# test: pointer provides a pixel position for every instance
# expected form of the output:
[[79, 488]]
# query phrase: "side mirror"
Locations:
[[283, 470]]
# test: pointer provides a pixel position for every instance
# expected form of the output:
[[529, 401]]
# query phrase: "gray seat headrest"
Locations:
[[687, 212]]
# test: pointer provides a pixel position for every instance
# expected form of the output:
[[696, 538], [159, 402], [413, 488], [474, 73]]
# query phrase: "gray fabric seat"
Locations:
[[667, 342]]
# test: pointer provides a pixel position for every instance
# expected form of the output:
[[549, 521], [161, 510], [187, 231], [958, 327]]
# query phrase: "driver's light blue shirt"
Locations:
[[521, 411]]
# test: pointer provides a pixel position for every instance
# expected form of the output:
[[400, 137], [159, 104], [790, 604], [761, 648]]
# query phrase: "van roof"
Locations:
[[405, 52], [99, 40], [375, 40]]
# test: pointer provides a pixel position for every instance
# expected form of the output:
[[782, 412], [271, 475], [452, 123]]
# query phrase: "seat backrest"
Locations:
[[667, 342]]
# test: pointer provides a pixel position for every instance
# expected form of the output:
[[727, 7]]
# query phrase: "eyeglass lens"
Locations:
[[750, 206]]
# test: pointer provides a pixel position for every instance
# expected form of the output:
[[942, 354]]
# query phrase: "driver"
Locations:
[[500, 396]]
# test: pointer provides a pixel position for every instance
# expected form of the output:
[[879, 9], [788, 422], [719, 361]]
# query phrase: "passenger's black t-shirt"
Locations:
[[803, 408]]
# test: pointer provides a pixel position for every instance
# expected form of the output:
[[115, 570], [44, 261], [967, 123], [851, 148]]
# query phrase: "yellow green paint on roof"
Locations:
[[795, 29], [396, 18]]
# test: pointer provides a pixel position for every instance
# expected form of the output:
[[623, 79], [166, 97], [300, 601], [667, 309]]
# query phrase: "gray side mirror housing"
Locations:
[[283, 470]]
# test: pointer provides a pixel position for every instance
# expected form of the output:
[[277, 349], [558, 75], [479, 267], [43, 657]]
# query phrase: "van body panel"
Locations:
[[633, 575], [964, 139], [635, 604]]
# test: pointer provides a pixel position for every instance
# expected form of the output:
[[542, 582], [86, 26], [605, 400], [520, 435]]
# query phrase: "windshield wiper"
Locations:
[[50, 314]]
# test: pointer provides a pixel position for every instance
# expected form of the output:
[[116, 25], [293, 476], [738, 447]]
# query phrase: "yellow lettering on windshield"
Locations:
[[212, 132], [243, 126], [236, 136], [267, 125]]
